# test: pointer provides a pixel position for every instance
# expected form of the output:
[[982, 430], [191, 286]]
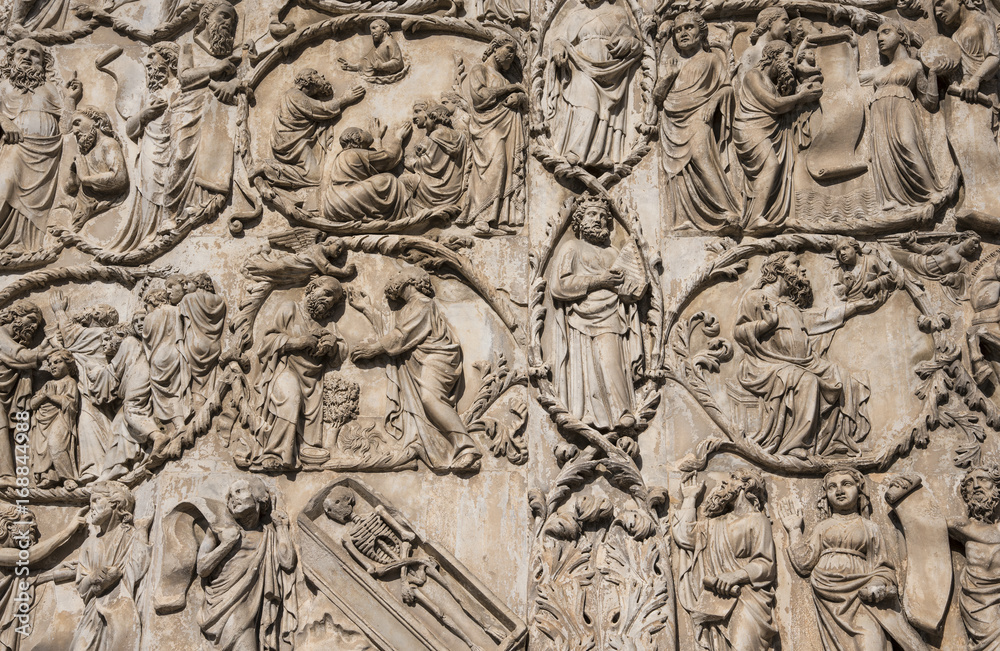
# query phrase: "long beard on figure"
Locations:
[[86, 141], [316, 307], [799, 290], [785, 83], [24, 77], [22, 333], [983, 508], [156, 78], [220, 40], [719, 500], [597, 235]]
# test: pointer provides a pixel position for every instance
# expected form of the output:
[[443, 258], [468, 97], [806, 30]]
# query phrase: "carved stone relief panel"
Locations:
[[607, 325]]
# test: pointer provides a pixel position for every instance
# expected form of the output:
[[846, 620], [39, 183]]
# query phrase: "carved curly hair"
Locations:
[[11, 515], [168, 52], [20, 308], [121, 498], [498, 43], [210, 8], [753, 486], [414, 277]]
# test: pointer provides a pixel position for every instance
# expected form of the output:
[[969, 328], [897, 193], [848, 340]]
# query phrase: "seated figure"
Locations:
[[358, 186]]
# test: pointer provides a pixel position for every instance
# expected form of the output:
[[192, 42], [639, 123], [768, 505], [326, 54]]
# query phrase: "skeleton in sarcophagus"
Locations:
[[383, 546]]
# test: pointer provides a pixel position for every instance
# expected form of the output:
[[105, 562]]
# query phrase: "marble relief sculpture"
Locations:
[[593, 64], [113, 563], [32, 107], [696, 93], [597, 342], [384, 61], [811, 407], [846, 557], [303, 301], [728, 572]]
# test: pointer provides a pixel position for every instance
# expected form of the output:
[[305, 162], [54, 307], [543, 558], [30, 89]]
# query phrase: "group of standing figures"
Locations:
[[728, 565], [749, 140]]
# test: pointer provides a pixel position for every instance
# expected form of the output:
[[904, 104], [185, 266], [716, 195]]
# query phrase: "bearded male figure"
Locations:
[[30, 110], [246, 569], [979, 598], [293, 350], [18, 324], [150, 127], [202, 120], [811, 406], [306, 112], [762, 133], [597, 341], [728, 570], [98, 176]]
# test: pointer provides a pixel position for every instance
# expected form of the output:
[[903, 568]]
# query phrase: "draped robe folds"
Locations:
[[358, 187], [111, 620], [10, 639], [16, 363], [850, 283], [971, 131], [108, 183], [759, 135], [901, 161], [383, 59], [497, 151], [201, 134], [724, 544], [169, 373], [29, 168], [53, 444], [979, 600], [441, 168], [592, 95], [596, 341], [293, 139], [811, 405], [203, 315], [695, 136], [149, 209], [94, 427], [251, 591], [842, 555], [426, 366], [292, 398], [126, 377]]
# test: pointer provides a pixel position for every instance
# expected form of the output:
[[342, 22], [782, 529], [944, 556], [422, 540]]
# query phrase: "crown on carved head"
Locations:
[[588, 199]]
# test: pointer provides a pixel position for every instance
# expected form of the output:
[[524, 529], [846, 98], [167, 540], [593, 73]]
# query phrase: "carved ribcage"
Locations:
[[373, 538]]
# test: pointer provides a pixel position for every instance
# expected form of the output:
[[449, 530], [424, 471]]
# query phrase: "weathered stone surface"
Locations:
[[575, 325]]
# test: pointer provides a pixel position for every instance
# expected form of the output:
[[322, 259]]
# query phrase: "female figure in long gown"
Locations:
[[901, 162], [594, 65], [853, 579]]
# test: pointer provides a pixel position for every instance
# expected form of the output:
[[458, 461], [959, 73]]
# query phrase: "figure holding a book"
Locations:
[[597, 343]]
